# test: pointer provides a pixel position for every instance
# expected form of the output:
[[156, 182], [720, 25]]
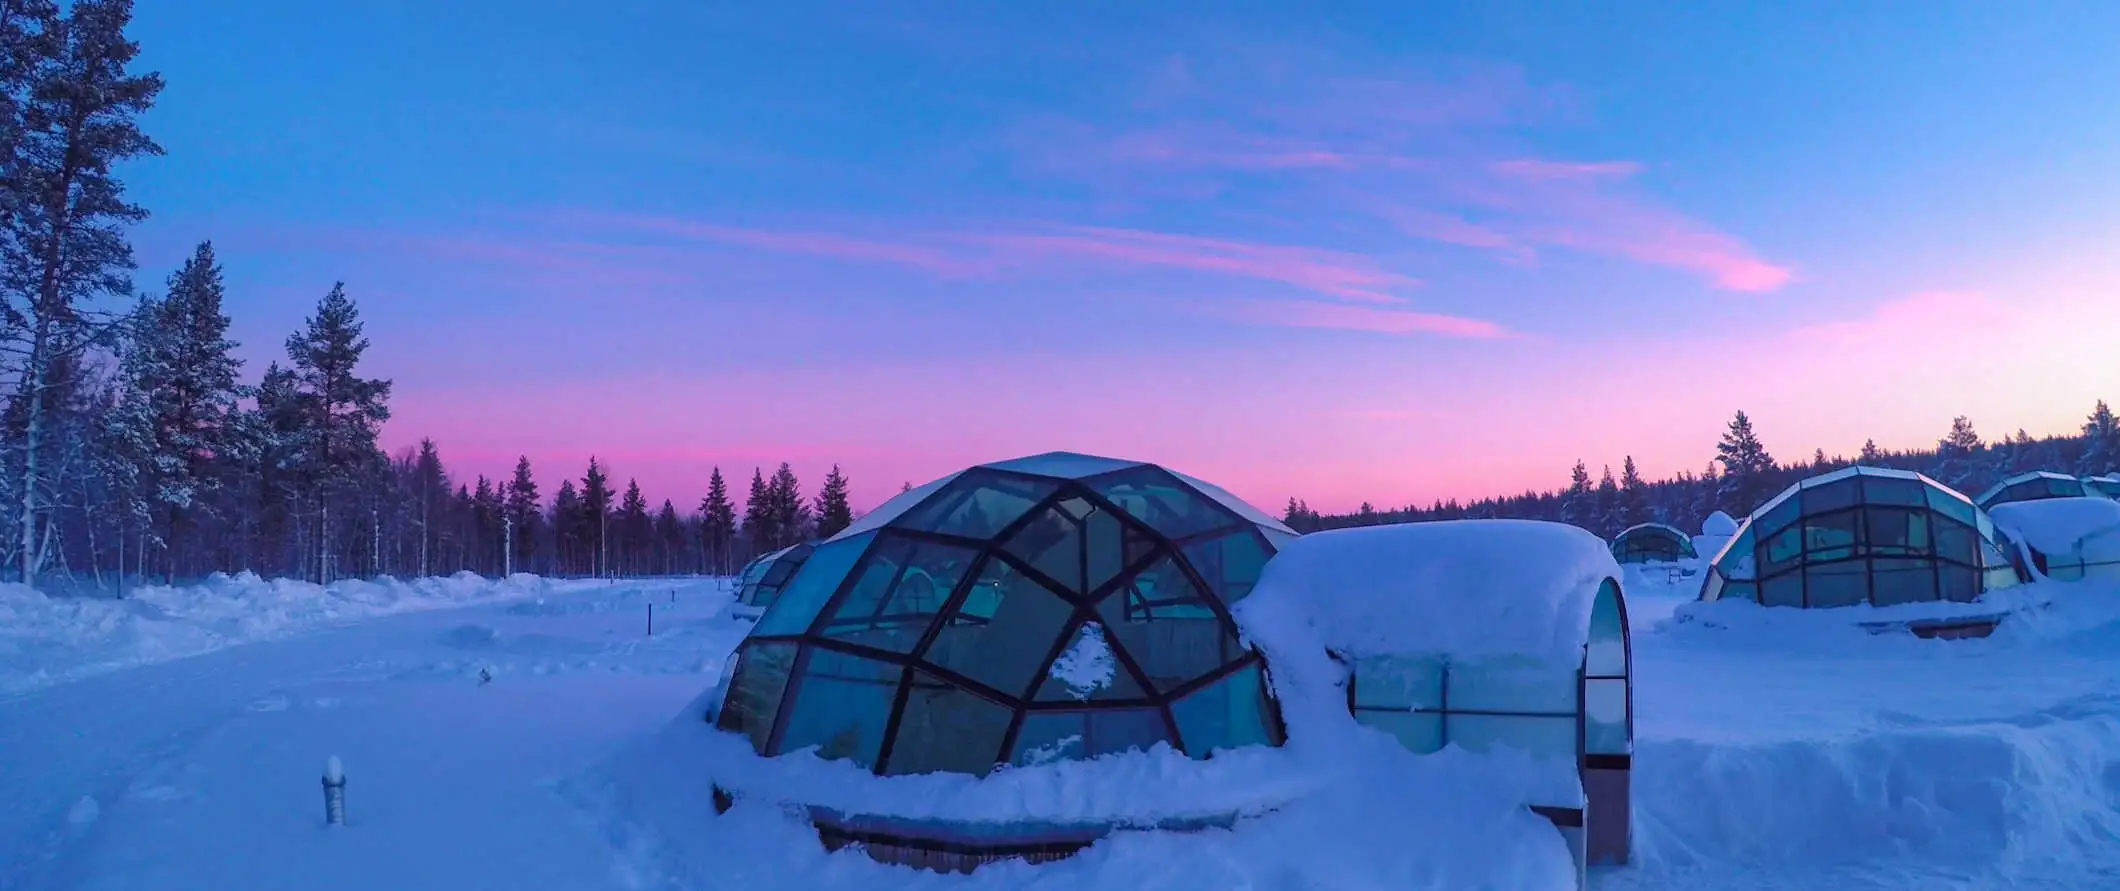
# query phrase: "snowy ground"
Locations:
[[1836, 761]]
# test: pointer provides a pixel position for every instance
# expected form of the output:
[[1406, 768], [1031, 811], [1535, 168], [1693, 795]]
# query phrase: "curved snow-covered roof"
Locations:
[[1465, 587], [2056, 525], [1718, 524], [2038, 484], [1651, 541]]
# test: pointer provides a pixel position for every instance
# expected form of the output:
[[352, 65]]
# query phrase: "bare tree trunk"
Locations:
[[32, 442]]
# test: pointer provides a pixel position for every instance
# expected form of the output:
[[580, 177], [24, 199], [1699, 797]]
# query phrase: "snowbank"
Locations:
[[46, 640], [2056, 525], [1469, 588]]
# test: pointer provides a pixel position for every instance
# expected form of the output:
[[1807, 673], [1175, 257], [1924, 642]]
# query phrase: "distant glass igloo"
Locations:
[[1861, 535], [1059, 606], [1652, 543], [2032, 486], [763, 578]]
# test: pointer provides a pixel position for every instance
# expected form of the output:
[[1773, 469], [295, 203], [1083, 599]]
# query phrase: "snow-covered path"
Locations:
[[203, 772]]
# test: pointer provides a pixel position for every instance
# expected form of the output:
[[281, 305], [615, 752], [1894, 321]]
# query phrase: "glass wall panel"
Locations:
[[1006, 648], [1782, 590], [1087, 669], [1105, 535], [1780, 516], [1742, 591], [1226, 714], [1956, 543], [1419, 732], [1607, 653], [1899, 581], [1162, 502], [978, 504], [755, 690], [1230, 564], [1510, 684], [1398, 682], [1543, 737], [801, 600], [1829, 585], [898, 590], [1897, 531], [1832, 536], [1162, 622], [1051, 543], [1832, 496], [1951, 505], [1605, 718], [1088, 734], [1887, 490], [945, 728], [1065, 465], [1959, 583], [841, 705]]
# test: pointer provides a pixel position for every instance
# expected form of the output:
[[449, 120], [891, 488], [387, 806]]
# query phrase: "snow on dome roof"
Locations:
[[2056, 525], [1718, 524], [1465, 587]]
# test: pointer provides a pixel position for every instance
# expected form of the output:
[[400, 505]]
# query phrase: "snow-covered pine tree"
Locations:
[[486, 527], [430, 498], [342, 411], [717, 525], [2101, 442], [595, 517], [637, 530], [1607, 500], [521, 513], [62, 238], [1577, 505], [1633, 495], [760, 522], [833, 510], [1747, 468], [1958, 456]]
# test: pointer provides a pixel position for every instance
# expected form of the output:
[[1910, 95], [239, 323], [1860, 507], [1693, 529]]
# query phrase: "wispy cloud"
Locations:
[[1341, 317], [1542, 170], [1927, 318]]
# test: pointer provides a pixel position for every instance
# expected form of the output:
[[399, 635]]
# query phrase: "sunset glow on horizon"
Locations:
[[1391, 255]]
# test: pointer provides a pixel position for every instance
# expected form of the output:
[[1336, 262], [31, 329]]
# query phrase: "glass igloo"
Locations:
[[1861, 535], [2032, 486], [1060, 606], [764, 577], [1652, 543]]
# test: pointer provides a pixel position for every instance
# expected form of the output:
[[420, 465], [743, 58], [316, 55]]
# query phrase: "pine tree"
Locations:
[[520, 513], [717, 524], [596, 516], [486, 510], [833, 511], [1818, 461], [63, 213], [760, 522], [1957, 456], [342, 410], [1708, 499], [571, 532], [430, 501], [669, 537], [1577, 506], [1292, 514], [637, 529], [1607, 515], [1747, 468], [790, 515], [1871, 456], [2101, 442], [1634, 496]]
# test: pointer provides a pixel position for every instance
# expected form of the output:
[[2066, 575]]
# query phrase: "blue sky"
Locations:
[[1338, 254]]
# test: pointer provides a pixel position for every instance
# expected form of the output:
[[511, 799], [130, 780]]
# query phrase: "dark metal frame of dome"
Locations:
[[991, 548]]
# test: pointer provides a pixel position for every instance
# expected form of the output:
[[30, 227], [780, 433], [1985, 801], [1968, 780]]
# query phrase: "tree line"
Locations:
[[1743, 474]]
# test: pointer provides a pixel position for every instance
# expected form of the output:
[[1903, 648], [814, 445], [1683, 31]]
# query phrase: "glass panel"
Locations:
[[1986, 525], [755, 690], [1064, 465], [1158, 500], [1782, 590], [898, 590], [1608, 637], [1051, 736], [1712, 588], [1007, 646], [1782, 550], [979, 504], [1897, 531], [1959, 583], [1420, 732], [1106, 537], [1230, 564], [1741, 591], [1832, 496], [1088, 670], [1956, 542], [1886, 490], [1511, 684], [801, 600], [945, 728], [841, 705], [1902, 581], [1398, 682], [1837, 584], [1226, 714], [1831, 536], [1779, 516], [1605, 718], [1159, 619], [1052, 544], [1543, 737], [1951, 505], [1238, 506]]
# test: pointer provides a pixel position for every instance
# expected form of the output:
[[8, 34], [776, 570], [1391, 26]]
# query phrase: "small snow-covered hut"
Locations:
[[1652, 543], [2064, 538], [1483, 634], [2033, 486]]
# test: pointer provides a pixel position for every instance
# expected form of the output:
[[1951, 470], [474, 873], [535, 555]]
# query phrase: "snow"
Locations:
[[1088, 665], [1467, 587], [1718, 523], [2056, 525], [333, 770]]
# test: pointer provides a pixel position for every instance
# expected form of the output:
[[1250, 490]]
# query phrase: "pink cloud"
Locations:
[[818, 244], [1334, 273], [1926, 318], [1540, 170], [1339, 317]]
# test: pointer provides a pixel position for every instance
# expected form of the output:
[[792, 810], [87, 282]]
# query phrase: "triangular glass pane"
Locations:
[[898, 591], [1002, 633], [1088, 670], [899, 504], [1063, 465], [978, 504], [1105, 538], [813, 587], [1168, 627], [1229, 713], [1047, 737], [1052, 544], [1241, 507], [754, 694], [947, 728], [841, 705], [1158, 500], [1230, 564]]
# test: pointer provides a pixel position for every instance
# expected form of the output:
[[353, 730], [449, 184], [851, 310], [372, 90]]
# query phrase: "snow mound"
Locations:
[[2056, 525], [47, 640], [1468, 587], [1718, 523]]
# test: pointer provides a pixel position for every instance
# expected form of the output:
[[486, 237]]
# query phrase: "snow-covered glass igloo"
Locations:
[[2105, 486], [1059, 606], [2032, 486], [1652, 543], [764, 577], [1861, 535]]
